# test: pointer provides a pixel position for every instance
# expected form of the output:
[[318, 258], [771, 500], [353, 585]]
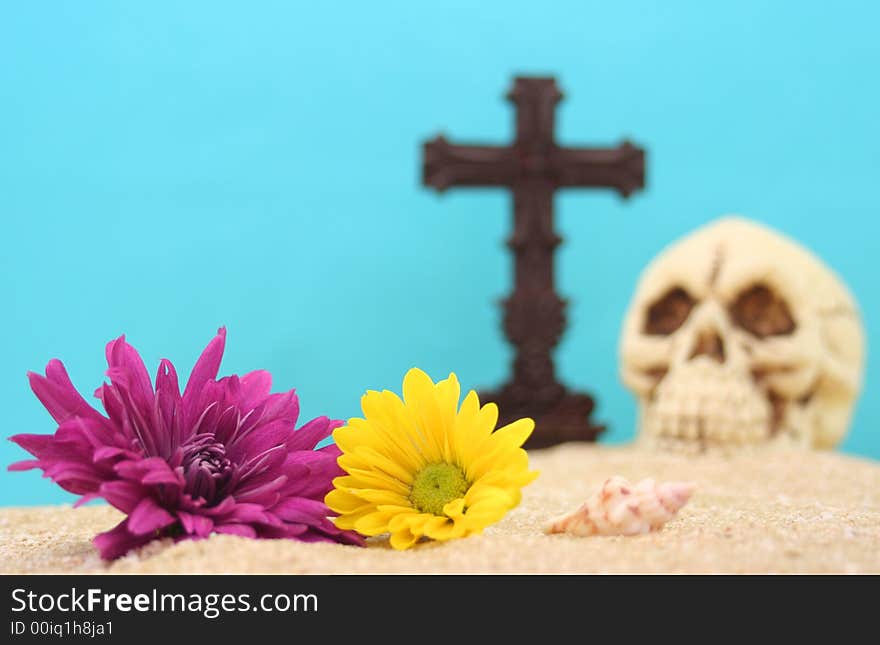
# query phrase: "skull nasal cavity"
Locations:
[[709, 344]]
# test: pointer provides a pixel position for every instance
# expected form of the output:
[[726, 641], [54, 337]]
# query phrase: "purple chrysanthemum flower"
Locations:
[[223, 457]]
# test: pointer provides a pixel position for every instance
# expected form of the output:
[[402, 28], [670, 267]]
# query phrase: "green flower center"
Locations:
[[436, 485]]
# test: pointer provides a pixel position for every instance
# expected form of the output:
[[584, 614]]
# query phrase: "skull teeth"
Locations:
[[707, 405]]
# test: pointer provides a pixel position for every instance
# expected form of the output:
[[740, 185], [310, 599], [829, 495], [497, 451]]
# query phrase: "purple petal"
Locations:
[[57, 394], [320, 468], [330, 449], [85, 499], [166, 404], [27, 464], [313, 486], [122, 494], [152, 467], [82, 434], [163, 476], [109, 452], [299, 509], [114, 406], [118, 541], [126, 368], [262, 438], [331, 534], [259, 493], [166, 379], [261, 467], [67, 472], [283, 405], [327, 528], [255, 387], [36, 444], [236, 529], [131, 418], [96, 432], [65, 457], [314, 459], [250, 513], [205, 369], [226, 426], [198, 525], [223, 508], [231, 389], [312, 433], [283, 531], [73, 477], [148, 517]]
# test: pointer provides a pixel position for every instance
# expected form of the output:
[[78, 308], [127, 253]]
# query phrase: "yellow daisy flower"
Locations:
[[423, 467]]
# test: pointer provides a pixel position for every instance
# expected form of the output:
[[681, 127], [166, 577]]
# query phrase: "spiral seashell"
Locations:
[[620, 508]]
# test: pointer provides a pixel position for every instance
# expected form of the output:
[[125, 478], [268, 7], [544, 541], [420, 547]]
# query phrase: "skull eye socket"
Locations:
[[669, 312], [761, 312]]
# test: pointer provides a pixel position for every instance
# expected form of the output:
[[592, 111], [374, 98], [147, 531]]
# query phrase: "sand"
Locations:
[[785, 512]]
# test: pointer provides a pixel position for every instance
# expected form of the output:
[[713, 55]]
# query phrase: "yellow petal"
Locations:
[[462, 431], [356, 433], [341, 501], [373, 406], [479, 520], [384, 463], [454, 508], [487, 419], [373, 524], [495, 455], [527, 477], [513, 435], [403, 539], [401, 431], [481, 493], [421, 400], [347, 521], [378, 480], [510, 477], [394, 509], [416, 386], [346, 482], [417, 524], [433, 525], [472, 443], [413, 520], [447, 393], [488, 511], [380, 496], [445, 530], [484, 424], [395, 427]]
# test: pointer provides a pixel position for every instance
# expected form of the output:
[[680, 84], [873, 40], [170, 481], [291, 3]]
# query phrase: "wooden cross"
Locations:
[[534, 167]]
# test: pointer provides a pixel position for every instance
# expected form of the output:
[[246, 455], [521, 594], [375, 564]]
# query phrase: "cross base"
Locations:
[[566, 418]]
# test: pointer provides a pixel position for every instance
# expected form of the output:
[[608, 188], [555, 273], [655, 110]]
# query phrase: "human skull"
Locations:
[[737, 336]]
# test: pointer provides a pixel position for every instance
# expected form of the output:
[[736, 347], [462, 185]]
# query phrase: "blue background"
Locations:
[[168, 167]]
